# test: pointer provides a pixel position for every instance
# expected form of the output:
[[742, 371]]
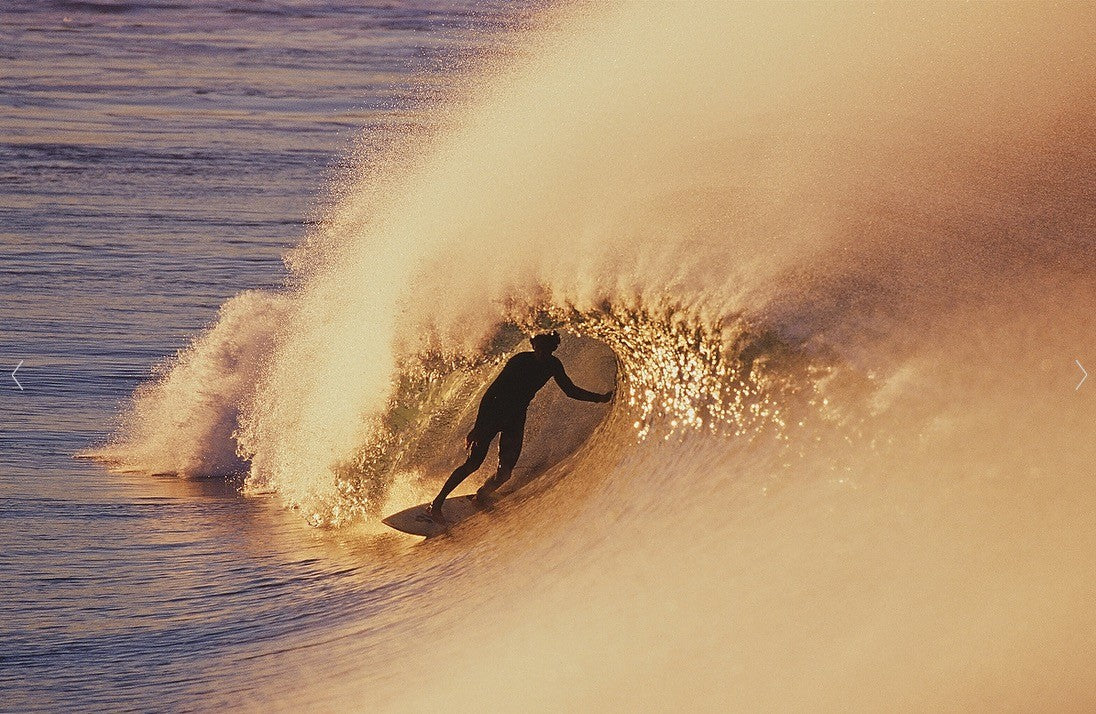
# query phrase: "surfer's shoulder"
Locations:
[[522, 358]]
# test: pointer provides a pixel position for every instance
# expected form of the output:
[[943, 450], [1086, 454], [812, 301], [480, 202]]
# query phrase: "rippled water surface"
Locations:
[[836, 260]]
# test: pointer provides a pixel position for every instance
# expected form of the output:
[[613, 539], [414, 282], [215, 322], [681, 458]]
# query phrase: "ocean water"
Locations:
[[260, 260]]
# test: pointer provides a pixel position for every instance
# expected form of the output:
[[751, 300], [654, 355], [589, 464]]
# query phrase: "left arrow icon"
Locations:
[[13, 375]]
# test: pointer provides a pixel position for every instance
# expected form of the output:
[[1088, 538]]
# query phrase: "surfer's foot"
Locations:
[[484, 500], [436, 514]]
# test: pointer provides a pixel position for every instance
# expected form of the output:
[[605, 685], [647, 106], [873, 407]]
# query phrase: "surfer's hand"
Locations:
[[607, 396]]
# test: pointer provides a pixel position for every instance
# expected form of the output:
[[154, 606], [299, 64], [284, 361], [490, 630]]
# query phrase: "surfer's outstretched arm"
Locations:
[[574, 392]]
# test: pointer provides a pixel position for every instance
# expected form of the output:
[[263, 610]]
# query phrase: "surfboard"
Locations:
[[417, 521]]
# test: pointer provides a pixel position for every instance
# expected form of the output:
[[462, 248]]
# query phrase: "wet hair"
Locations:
[[546, 340]]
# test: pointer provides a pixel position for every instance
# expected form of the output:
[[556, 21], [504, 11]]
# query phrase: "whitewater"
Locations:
[[838, 263]]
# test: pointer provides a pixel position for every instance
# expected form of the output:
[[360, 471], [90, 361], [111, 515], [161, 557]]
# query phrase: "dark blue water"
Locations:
[[843, 254]]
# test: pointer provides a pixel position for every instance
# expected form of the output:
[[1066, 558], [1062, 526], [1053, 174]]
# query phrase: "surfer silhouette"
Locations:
[[502, 411]]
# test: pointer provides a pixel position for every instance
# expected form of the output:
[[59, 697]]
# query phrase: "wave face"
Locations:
[[838, 261]]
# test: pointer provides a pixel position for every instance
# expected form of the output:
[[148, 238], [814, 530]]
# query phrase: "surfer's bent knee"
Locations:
[[479, 453]]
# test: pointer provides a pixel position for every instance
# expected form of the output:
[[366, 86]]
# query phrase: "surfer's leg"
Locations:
[[474, 461], [509, 450]]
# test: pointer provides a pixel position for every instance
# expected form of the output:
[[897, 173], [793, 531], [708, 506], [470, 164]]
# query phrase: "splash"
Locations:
[[183, 422]]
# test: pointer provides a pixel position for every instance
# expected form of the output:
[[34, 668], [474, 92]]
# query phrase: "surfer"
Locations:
[[502, 411]]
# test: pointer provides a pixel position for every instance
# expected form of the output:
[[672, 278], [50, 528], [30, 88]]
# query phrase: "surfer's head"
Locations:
[[545, 342]]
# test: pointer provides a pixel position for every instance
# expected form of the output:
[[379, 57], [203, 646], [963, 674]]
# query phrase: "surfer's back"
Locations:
[[520, 380]]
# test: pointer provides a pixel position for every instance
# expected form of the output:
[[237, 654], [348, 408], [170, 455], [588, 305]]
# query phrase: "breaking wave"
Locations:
[[705, 205]]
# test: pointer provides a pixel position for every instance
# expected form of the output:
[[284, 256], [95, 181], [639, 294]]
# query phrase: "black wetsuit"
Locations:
[[502, 411]]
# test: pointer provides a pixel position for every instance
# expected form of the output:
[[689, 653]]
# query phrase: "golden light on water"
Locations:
[[832, 249]]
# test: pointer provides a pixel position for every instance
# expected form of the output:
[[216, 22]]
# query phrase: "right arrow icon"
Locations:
[[1084, 372]]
